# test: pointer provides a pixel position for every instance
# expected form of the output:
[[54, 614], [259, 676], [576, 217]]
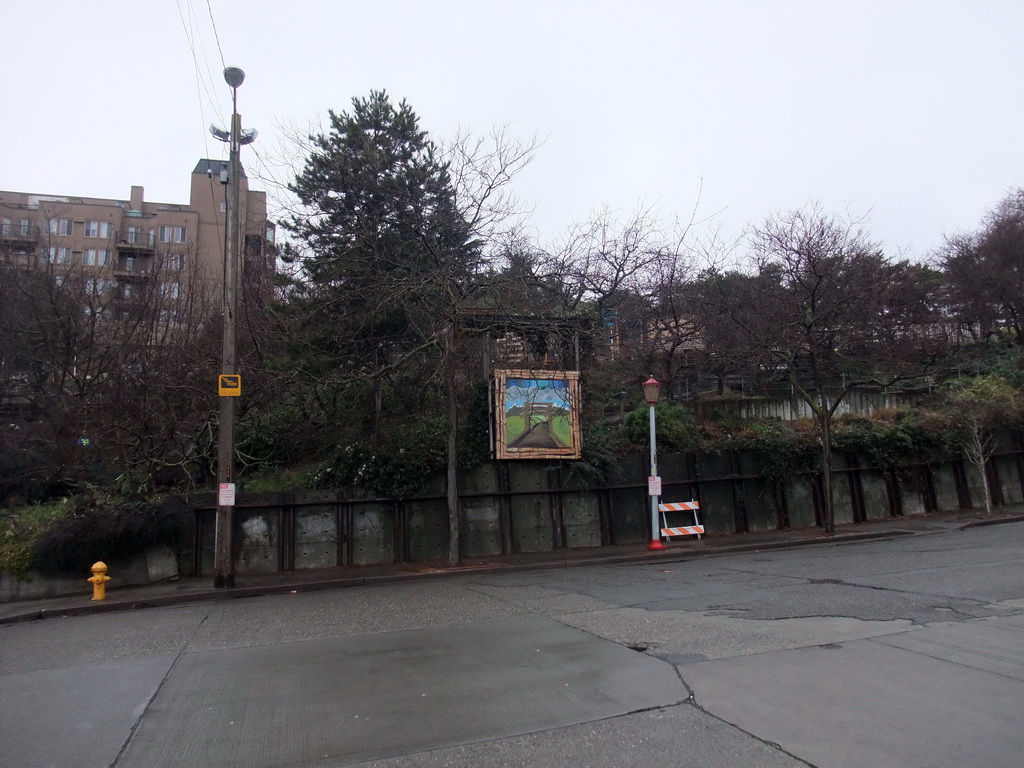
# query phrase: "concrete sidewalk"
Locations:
[[250, 585]]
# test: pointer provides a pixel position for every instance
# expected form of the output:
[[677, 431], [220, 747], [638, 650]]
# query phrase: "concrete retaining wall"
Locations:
[[158, 564], [533, 506]]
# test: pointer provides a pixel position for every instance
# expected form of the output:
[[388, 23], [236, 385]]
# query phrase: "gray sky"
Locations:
[[907, 110]]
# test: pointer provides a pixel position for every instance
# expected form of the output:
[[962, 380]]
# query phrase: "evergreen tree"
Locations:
[[384, 253], [387, 263]]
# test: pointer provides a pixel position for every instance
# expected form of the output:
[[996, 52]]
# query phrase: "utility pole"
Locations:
[[223, 563]]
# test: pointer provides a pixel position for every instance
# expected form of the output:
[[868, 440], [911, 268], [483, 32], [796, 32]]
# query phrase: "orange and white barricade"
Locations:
[[681, 530]]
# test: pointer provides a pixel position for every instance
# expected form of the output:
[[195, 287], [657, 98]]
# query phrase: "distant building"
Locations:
[[125, 249]]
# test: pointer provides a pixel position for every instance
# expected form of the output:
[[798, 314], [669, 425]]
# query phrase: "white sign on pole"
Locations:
[[226, 497], [654, 485]]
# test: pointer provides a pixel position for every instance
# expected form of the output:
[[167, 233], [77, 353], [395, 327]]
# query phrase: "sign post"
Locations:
[[651, 391]]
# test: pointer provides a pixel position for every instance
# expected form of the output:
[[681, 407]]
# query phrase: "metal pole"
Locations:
[[655, 527], [223, 564]]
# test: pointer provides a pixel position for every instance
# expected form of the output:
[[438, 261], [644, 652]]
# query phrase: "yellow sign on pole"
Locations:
[[229, 385]]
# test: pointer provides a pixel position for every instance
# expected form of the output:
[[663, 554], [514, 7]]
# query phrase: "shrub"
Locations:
[[675, 427], [784, 449], [892, 437], [603, 447], [20, 532], [399, 465], [98, 529]]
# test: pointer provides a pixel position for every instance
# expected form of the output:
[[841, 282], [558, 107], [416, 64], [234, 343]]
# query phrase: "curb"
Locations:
[[665, 556], [992, 521]]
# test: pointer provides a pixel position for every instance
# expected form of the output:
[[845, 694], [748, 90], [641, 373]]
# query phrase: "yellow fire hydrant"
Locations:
[[99, 580]]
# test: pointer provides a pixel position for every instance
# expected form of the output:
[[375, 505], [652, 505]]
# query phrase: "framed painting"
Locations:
[[537, 414]]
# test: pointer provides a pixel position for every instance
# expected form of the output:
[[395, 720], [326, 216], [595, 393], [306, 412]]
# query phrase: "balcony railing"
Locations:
[[133, 267], [135, 241], [15, 234]]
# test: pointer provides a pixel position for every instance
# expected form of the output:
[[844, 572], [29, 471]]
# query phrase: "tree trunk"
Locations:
[[378, 394], [984, 483], [825, 425], [979, 448], [453, 462]]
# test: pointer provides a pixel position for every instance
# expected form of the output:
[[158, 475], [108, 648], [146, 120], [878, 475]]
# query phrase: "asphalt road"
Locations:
[[906, 652]]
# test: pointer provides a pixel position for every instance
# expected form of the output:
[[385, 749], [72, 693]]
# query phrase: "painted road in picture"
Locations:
[[537, 413]]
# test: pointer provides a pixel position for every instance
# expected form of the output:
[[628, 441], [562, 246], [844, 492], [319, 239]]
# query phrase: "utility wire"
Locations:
[[215, 35], [201, 86], [201, 83], [213, 78]]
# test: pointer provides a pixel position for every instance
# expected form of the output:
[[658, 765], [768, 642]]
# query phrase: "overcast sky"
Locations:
[[909, 111]]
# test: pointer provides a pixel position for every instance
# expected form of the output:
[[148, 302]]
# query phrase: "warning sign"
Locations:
[[229, 385]]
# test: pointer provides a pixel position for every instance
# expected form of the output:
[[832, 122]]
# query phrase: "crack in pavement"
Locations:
[[692, 701], [877, 588]]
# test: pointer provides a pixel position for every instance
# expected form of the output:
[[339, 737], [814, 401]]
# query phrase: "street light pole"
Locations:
[[652, 390], [223, 563]]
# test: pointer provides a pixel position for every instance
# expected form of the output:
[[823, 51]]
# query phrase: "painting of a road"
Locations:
[[536, 414]]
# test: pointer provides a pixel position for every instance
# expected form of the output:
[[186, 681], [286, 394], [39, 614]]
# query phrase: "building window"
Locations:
[[92, 257], [174, 262], [60, 226], [97, 287], [133, 234], [172, 290], [5, 227], [60, 255], [128, 264], [26, 227], [173, 234], [223, 207], [97, 229]]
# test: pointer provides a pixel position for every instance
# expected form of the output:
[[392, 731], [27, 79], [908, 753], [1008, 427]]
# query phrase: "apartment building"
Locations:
[[127, 249]]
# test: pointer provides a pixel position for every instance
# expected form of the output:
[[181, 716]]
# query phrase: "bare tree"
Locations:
[[985, 272], [483, 169], [980, 406], [602, 257], [111, 366], [826, 311]]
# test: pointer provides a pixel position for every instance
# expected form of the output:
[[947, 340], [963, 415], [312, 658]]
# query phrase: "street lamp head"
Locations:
[[233, 76], [651, 391]]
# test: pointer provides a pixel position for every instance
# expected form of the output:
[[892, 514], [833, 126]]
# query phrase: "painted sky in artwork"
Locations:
[[519, 391]]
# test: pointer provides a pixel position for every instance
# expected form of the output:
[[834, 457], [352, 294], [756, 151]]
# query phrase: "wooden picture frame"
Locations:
[[537, 414]]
